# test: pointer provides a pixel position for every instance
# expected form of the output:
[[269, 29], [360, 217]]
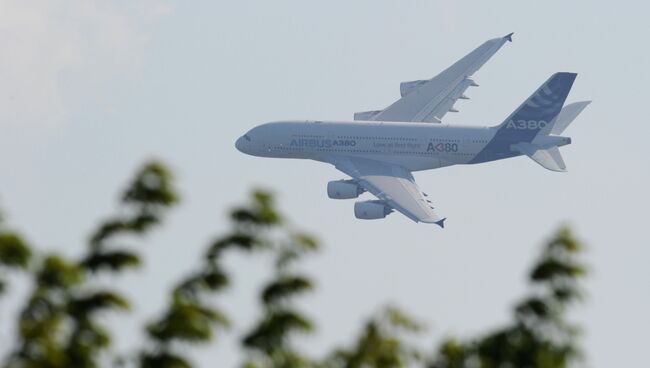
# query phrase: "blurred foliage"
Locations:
[[190, 318], [60, 324], [381, 344], [15, 253], [539, 335], [269, 342]]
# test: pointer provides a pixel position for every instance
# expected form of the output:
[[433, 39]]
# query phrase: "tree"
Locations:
[[59, 326], [539, 335], [380, 343]]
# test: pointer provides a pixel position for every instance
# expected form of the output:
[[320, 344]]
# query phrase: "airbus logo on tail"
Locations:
[[526, 124]]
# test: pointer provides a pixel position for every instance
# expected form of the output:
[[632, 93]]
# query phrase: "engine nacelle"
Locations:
[[343, 189], [371, 210]]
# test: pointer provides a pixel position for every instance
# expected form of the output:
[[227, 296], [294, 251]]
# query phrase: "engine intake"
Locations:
[[371, 210], [343, 189]]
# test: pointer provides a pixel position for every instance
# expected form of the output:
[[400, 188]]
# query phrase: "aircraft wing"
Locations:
[[392, 184], [429, 100]]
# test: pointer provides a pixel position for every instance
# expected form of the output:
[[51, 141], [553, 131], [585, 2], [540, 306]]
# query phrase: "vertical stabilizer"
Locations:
[[538, 111], [534, 116]]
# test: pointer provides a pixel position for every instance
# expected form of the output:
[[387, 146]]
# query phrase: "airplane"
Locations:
[[379, 150]]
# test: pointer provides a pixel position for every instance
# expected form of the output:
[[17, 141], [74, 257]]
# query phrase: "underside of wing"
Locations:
[[391, 184], [429, 100]]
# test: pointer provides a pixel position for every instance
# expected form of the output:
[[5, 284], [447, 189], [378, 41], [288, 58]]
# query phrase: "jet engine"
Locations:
[[371, 210], [343, 189]]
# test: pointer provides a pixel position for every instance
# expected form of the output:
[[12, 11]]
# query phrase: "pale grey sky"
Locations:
[[90, 89]]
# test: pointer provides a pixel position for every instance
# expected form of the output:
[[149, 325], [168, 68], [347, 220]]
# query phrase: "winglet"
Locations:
[[441, 223], [509, 36]]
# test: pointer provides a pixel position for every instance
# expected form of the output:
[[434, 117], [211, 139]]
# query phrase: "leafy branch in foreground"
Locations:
[[190, 318], [381, 343], [58, 326], [539, 336], [269, 342], [15, 253]]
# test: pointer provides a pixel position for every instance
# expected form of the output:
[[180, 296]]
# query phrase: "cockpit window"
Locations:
[[246, 137]]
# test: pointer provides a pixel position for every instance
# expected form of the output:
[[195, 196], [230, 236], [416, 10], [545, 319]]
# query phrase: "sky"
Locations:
[[91, 89]]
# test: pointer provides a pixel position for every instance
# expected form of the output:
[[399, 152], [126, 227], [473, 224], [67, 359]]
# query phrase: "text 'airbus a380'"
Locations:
[[380, 149]]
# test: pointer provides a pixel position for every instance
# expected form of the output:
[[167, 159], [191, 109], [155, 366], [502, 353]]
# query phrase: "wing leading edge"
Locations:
[[392, 184], [429, 100]]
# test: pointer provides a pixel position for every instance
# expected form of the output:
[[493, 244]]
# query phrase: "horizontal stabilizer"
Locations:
[[567, 115], [549, 158]]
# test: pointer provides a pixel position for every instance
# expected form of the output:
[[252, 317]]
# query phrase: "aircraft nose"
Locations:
[[239, 144]]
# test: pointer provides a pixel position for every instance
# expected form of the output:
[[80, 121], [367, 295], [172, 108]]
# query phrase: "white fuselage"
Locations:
[[415, 146]]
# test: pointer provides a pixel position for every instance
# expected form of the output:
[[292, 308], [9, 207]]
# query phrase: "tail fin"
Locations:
[[538, 111]]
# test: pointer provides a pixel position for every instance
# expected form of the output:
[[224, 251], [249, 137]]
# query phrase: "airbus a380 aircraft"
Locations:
[[380, 149]]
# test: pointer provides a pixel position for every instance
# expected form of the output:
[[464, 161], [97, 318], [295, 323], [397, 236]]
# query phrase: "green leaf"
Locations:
[[262, 211], [565, 241], [551, 269], [136, 225], [263, 202], [58, 273], [142, 222], [149, 192], [284, 288], [566, 294], [400, 319], [85, 343], [187, 322], [451, 354], [152, 186], [82, 307], [163, 360], [109, 229], [240, 241], [305, 242], [272, 333], [40, 318], [534, 306], [14, 251], [110, 260], [212, 279]]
